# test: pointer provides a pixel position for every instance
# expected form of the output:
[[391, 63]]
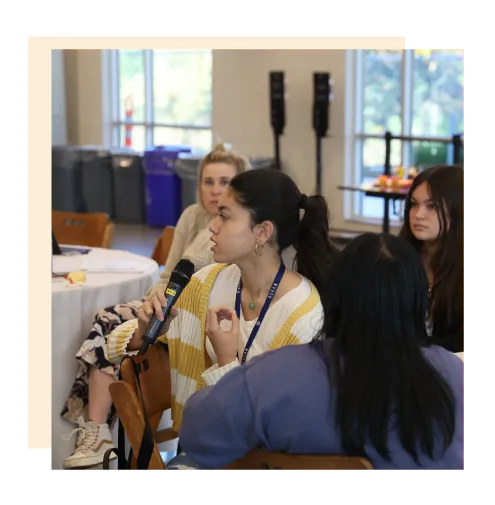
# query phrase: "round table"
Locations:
[[113, 276]]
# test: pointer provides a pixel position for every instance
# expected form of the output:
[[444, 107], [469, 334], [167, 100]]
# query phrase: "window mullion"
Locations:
[[148, 95], [359, 90], [407, 104], [115, 85], [359, 84]]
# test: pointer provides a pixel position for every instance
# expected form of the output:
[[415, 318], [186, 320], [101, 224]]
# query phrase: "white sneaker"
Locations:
[[93, 441]]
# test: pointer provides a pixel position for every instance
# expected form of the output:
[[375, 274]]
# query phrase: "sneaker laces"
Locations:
[[86, 436]]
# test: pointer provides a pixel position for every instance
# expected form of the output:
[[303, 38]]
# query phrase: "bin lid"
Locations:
[[168, 149], [99, 150], [187, 166], [164, 153], [194, 154], [125, 157], [125, 151], [261, 162], [66, 157], [75, 154]]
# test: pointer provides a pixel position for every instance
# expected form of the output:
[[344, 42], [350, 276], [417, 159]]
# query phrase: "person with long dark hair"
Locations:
[[249, 301], [370, 384], [434, 225]]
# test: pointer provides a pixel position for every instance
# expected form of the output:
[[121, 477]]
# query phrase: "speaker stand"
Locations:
[[318, 164], [276, 138]]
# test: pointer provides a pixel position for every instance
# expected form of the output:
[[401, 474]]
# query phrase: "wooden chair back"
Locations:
[[86, 229], [258, 459], [163, 245], [156, 387]]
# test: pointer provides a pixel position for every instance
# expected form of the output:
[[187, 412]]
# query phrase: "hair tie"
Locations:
[[303, 202]]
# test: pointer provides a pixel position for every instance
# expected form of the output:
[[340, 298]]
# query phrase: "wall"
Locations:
[[241, 111], [59, 115], [83, 79]]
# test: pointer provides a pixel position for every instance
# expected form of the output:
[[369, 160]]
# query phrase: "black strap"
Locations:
[[148, 441], [123, 462]]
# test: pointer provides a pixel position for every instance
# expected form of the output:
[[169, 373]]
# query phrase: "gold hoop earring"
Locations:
[[256, 250]]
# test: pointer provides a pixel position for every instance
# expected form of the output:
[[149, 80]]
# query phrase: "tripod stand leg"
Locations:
[[318, 165]]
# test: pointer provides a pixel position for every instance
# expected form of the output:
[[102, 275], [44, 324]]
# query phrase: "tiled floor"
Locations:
[[136, 238]]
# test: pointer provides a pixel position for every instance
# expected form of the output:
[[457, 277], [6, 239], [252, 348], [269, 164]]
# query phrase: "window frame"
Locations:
[[116, 123], [355, 79]]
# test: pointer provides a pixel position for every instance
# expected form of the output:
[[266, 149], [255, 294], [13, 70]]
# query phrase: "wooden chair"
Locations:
[[87, 229], [156, 388], [163, 245], [258, 459]]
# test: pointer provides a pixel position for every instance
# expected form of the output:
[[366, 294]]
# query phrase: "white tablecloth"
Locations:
[[73, 311]]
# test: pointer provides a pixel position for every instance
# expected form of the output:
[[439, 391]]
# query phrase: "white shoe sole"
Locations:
[[87, 462]]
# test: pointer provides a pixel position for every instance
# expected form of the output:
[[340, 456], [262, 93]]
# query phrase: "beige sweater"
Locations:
[[191, 241]]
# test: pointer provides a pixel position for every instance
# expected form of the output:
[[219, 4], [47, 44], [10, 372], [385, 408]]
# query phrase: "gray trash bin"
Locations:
[[262, 162], [97, 183], [67, 194], [187, 167], [128, 186]]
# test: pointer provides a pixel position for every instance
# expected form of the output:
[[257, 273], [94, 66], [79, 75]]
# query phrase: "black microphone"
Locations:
[[179, 279]]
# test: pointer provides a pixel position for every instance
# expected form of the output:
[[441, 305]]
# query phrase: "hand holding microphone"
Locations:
[[153, 307], [155, 315]]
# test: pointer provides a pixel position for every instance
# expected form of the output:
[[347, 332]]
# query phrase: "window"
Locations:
[[415, 93], [161, 97]]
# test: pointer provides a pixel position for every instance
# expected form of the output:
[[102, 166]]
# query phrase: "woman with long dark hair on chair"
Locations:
[[370, 384], [434, 226]]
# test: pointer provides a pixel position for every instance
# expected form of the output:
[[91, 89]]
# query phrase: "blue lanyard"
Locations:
[[271, 294]]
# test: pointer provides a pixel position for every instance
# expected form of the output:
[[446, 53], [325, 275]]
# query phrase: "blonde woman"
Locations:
[[89, 403]]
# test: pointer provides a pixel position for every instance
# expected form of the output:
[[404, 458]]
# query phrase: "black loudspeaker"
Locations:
[[322, 95], [277, 102]]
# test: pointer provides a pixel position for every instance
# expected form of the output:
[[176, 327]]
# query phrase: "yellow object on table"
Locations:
[[77, 278]]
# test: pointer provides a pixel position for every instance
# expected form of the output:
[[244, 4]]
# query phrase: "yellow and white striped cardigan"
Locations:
[[186, 336]]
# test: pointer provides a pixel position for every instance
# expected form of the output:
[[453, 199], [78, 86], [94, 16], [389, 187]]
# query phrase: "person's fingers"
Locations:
[[207, 324], [223, 313], [145, 313], [212, 320], [235, 323], [147, 308], [223, 316], [161, 298], [157, 308]]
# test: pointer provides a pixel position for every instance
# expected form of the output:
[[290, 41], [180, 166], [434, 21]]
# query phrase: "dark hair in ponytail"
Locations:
[[271, 195]]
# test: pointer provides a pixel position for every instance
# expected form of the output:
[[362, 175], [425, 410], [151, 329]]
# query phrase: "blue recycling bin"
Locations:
[[163, 185]]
